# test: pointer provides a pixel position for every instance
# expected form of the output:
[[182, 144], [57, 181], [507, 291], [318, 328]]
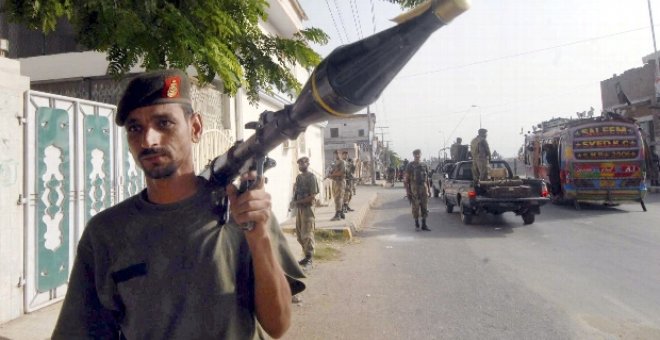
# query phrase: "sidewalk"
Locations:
[[342, 229], [39, 325]]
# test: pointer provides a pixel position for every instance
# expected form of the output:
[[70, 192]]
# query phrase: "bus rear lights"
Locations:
[[472, 194]]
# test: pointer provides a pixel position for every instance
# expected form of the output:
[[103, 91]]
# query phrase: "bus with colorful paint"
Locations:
[[599, 159]]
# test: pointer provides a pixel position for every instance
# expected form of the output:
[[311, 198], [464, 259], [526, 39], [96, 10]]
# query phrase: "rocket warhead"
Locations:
[[354, 75]]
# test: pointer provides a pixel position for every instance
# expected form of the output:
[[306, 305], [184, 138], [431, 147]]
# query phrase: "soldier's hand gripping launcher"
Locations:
[[346, 81]]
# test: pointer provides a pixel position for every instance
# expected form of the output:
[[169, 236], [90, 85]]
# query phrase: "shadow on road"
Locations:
[[391, 215]]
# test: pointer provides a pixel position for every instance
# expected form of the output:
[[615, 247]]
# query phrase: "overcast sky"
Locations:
[[514, 63]]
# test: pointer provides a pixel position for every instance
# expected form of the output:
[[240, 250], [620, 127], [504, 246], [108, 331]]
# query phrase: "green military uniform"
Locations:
[[348, 193], [166, 271], [480, 157], [339, 184], [305, 186], [418, 177]]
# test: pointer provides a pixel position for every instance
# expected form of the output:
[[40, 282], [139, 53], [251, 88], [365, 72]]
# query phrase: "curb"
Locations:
[[345, 232], [355, 224]]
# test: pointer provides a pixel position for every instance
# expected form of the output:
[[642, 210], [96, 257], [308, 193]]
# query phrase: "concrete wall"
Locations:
[[637, 84], [348, 130], [348, 138], [12, 90]]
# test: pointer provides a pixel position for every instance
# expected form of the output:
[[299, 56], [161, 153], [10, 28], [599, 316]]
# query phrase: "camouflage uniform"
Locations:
[[418, 177], [348, 193], [305, 186], [339, 184], [480, 157]]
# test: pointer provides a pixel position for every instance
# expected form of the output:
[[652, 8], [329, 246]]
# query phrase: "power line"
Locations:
[[520, 54], [500, 108], [341, 20], [341, 39], [356, 19], [373, 15]]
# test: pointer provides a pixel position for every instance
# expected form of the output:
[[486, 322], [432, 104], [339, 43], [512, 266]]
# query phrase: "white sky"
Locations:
[[519, 61]]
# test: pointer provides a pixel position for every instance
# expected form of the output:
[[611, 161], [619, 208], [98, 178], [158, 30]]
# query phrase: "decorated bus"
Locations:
[[599, 159]]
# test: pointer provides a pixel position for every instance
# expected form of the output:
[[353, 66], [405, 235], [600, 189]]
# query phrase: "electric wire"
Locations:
[[356, 19], [373, 15], [341, 20], [341, 39], [511, 56]]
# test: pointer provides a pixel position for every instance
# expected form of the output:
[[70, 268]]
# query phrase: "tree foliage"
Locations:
[[390, 157], [406, 3], [219, 38]]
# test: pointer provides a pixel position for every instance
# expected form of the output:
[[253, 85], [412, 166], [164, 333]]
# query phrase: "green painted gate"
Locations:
[[77, 164]]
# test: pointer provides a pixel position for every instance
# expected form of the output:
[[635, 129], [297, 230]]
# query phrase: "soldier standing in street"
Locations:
[[348, 192], [417, 188], [458, 152], [305, 190], [480, 156], [338, 175], [455, 150]]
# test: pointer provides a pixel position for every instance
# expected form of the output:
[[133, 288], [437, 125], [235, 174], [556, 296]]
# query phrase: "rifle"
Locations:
[[346, 81]]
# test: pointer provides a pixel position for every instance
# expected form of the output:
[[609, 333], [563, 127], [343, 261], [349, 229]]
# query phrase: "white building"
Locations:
[[354, 134]]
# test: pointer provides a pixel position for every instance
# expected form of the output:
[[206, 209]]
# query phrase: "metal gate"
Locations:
[[76, 164]]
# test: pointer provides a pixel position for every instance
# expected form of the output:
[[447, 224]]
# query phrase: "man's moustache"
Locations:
[[152, 151]]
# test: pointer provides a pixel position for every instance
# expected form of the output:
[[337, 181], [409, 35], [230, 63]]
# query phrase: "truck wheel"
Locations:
[[528, 218], [465, 218], [449, 208], [436, 193]]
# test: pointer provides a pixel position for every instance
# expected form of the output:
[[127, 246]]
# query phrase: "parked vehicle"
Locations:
[[438, 176], [599, 159], [501, 193]]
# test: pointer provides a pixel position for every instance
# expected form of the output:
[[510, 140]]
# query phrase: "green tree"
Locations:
[[406, 3], [219, 38], [391, 158]]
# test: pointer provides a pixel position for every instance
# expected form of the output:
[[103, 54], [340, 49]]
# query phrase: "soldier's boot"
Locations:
[[306, 261], [348, 208], [416, 225], [341, 214], [424, 226], [337, 216], [344, 209]]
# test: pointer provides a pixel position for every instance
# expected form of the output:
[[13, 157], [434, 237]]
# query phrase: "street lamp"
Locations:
[[477, 106]]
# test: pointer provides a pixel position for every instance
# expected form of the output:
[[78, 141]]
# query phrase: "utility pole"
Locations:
[[381, 137], [372, 136], [655, 55], [382, 133]]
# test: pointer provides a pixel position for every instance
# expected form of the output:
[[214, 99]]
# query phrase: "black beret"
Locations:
[[417, 152], [151, 88], [303, 159]]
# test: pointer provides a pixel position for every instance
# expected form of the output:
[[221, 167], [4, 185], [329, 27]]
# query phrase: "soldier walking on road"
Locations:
[[305, 190], [348, 192], [480, 156], [338, 175], [417, 188]]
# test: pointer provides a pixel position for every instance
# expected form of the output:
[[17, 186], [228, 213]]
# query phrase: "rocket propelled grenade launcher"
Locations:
[[345, 82]]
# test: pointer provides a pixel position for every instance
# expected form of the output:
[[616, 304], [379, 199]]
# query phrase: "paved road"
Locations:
[[588, 274]]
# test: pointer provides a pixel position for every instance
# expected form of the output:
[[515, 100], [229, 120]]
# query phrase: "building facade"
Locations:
[[632, 93], [354, 134]]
